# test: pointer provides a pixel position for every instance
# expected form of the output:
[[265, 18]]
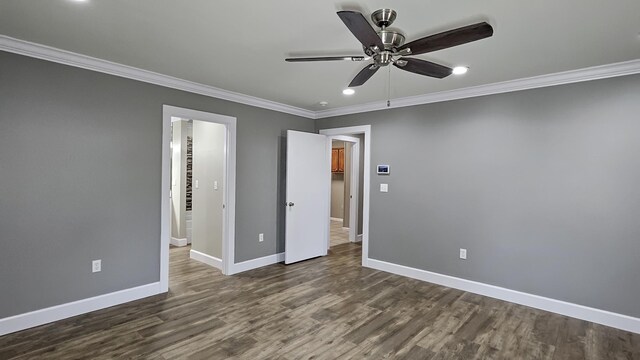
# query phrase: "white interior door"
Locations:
[[308, 196]]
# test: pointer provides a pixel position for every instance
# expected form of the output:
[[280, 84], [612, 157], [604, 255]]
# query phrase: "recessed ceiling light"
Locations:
[[348, 91], [79, 0], [323, 103], [459, 70]]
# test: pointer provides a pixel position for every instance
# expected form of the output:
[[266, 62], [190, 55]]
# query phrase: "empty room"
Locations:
[[319, 179]]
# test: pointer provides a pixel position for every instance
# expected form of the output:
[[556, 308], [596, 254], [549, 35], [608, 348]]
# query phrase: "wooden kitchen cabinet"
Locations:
[[337, 160]]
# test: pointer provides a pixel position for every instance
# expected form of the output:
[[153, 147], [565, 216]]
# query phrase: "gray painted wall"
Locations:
[[540, 186], [80, 172], [208, 169], [337, 195]]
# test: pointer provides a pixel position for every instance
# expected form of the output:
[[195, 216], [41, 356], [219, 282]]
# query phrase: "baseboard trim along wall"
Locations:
[[63, 311], [335, 219], [581, 312], [44, 316], [206, 259], [256, 263], [179, 242]]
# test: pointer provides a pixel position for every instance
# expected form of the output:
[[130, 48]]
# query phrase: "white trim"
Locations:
[[359, 238], [336, 219], [43, 316], [345, 228], [60, 56], [206, 259], [344, 138], [256, 263], [65, 57], [586, 313], [560, 78], [165, 201], [354, 189], [366, 130], [178, 241], [229, 196]]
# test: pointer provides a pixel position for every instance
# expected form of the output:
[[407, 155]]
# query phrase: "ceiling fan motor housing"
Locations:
[[391, 39]]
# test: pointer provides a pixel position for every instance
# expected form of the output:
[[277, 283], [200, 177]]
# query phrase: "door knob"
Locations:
[[290, 203]]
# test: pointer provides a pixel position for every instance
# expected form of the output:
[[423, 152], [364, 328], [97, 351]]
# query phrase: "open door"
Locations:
[[308, 195]]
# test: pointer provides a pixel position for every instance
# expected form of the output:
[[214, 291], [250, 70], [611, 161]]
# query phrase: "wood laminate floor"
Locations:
[[338, 234], [325, 308]]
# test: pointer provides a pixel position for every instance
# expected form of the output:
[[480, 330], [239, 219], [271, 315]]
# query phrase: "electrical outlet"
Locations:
[[260, 237], [96, 265], [463, 254]]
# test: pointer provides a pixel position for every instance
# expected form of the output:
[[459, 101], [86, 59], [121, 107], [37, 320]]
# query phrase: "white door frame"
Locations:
[[229, 192], [353, 185], [366, 130]]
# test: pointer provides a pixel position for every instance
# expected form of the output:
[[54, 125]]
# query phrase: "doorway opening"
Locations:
[[198, 182], [357, 153], [346, 204]]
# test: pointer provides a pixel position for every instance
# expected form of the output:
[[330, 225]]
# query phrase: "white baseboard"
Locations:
[[336, 219], [359, 238], [207, 259], [345, 228], [603, 317], [256, 263], [179, 241], [63, 311]]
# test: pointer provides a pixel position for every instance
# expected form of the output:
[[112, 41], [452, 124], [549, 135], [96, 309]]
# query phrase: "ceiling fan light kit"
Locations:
[[386, 46]]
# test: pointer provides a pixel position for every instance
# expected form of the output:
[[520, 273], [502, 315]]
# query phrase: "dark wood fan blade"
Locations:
[[423, 67], [449, 38], [364, 75], [361, 29], [326, 58]]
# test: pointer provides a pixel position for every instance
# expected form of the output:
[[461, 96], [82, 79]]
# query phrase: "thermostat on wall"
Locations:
[[383, 169]]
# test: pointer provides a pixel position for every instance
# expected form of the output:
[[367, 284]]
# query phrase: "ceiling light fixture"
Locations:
[[323, 103], [460, 70], [348, 91]]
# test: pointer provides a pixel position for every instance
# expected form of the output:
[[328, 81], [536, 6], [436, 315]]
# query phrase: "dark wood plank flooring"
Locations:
[[325, 308]]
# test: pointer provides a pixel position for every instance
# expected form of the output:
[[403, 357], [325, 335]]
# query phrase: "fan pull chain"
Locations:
[[389, 88]]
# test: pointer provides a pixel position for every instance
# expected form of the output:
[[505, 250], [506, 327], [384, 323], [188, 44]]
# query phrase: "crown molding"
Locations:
[[48, 53], [60, 56], [561, 78]]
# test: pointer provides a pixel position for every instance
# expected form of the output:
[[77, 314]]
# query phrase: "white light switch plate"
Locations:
[[384, 187], [463, 254], [215, 185], [197, 184]]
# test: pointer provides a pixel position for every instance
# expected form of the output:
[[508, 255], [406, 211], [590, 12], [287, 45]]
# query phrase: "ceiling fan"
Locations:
[[387, 46]]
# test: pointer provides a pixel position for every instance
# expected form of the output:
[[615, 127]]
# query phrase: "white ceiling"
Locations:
[[240, 45]]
